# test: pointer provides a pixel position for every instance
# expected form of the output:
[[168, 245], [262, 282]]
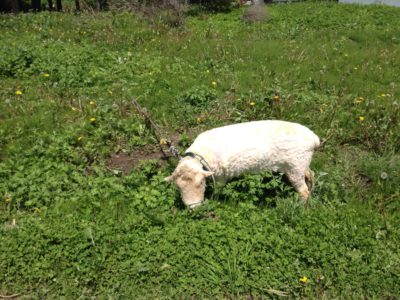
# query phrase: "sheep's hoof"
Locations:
[[305, 195]]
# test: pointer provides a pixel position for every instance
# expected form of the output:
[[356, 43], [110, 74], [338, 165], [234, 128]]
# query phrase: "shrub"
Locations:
[[214, 5]]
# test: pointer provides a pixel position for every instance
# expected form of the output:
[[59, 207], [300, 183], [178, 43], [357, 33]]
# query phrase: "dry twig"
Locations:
[[9, 296]]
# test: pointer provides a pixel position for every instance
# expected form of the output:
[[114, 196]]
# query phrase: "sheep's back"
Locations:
[[258, 134]]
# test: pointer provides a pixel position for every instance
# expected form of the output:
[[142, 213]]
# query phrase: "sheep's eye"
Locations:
[[184, 180], [198, 181]]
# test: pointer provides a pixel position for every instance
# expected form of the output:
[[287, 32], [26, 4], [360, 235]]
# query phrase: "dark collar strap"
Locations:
[[191, 154], [204, 163]]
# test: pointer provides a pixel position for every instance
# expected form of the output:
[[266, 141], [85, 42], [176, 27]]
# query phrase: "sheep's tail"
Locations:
[[317, 143], [321, 145], [313, 142]]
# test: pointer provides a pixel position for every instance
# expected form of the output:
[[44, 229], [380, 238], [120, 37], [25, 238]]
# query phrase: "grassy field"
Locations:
[[73, 225]]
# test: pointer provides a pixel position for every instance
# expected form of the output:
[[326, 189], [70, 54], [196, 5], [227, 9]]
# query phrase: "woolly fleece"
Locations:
[[254, 147]]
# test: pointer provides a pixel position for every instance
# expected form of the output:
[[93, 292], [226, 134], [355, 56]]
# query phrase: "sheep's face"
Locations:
[[190, 178]]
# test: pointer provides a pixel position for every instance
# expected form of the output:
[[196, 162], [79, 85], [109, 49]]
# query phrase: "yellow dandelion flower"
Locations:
[[252, 103], [92, 120], [359, 100], [276, 98], [92, 103], [303, 279], [214, 83], [18, 92], [46, 75], [383, 95], [361, 118], [7, 199], [163, 141]]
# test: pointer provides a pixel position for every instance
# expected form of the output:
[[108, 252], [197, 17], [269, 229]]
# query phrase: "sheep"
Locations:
[[252, 147]]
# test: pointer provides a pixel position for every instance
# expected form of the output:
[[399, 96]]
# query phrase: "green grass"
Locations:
[[84, 230]]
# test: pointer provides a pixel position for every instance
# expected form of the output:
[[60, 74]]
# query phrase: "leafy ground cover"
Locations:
[[72, 225]]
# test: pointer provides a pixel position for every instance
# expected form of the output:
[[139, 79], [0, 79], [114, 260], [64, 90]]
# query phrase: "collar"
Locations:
[[206, 167], [202, 160]]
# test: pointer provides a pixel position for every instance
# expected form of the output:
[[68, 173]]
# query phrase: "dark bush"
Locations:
[[214, 5]]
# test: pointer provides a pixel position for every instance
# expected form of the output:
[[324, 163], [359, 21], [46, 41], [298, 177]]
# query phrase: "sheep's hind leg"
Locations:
[[310, 180], [298, 180]]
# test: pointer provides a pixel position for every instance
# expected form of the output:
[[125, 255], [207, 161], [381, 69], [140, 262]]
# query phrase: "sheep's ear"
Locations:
[[208, 173], [169, 179]]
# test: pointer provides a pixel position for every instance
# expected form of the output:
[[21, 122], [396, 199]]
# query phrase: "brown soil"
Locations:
[[125, 162]]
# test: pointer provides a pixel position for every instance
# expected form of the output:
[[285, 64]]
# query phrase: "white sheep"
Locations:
[[252, 147]]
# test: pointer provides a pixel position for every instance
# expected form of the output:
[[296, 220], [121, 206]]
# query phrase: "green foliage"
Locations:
[[192, 106], [73, 227], [381, 175], [198, 96], [259, 189]]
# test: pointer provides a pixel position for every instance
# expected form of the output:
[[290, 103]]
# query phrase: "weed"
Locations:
[[72, 227]]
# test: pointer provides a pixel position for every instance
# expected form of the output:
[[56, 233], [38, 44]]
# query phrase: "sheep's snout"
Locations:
[[191, 183]]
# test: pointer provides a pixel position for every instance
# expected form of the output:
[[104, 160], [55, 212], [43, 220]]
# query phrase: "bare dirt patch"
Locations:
[[125, 162]]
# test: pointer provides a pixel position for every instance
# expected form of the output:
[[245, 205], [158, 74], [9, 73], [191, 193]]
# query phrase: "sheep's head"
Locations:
[[190, 178]]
